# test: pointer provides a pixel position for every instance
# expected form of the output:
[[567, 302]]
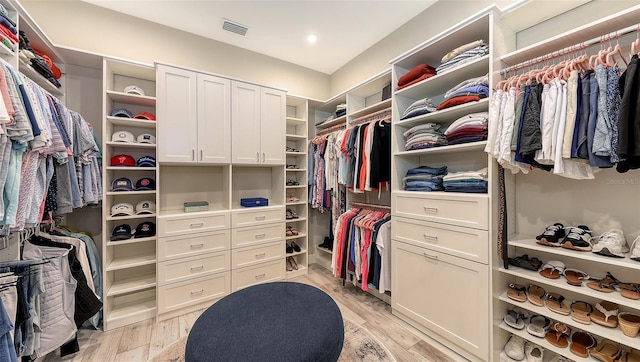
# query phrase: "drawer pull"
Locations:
[[197, 292], [199, 267], [432, 257], [433, 210], [430, 237], [261, 255], [196, 225], [260, 276], [197, 246], [258, 218], [260, 236]]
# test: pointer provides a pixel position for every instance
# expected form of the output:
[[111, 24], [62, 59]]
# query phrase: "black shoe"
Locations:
[[289, 249], [327, 243], [295, 247]]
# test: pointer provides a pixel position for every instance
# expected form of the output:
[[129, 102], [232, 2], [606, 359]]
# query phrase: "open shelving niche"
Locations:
[[610, 201], [130, 265]]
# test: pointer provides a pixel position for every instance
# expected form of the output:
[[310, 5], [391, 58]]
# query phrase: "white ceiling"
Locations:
[[345, 28]]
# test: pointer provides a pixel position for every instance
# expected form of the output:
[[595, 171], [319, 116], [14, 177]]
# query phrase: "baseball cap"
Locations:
[[134, 89], [121, 112], [123, 136], [123, 160], [145, 229], [122, 184], [147, 138], [121, 232], [146, 183], [145, 115], [145, 207], [146, 161], [122, 209]]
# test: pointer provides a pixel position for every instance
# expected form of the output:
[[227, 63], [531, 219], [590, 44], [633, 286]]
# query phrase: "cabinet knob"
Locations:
[[432, 257], [433, 210], [430, 237]]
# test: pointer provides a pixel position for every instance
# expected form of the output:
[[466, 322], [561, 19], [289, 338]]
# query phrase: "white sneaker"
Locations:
[[515, 348], [533, 352], [635, 249], [610, 243]]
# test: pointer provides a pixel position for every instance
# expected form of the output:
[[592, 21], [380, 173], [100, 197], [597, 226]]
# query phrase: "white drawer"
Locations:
[[471, 244], [257, 254], [254, 235], [454, 209], [256, 216], [193, 244], [180, 295], [197, 223], [262, 273], [197, 266]]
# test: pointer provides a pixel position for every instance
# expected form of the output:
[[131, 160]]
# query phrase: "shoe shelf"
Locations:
[[464, 147], [446, 115], [296, 186], [542, 342], [132, 240], [131, 122], [296, 203], [330, 252], [561, 283], [139, 282], [293, 153], [296, 220], [300, 235], [529, 243], [296, 170], [442, 82], [302, 270], [140, 309], [301, 252], [131, 261]]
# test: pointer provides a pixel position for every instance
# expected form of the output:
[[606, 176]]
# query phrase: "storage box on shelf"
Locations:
[[442, 238], [130, 264]]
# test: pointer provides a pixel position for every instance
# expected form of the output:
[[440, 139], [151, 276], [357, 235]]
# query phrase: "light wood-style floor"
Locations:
[[144, 340]]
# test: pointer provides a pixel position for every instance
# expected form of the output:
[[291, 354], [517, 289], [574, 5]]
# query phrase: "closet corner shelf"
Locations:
[[327, 251], [131, 217], [296, 121], [561, 283], [464, 147], [295, 137], [302, 270], [121, 97], [295, 186], [301, 252], [131, 261], [295, 169], [127, 168], [300, 235], [122, 193], [133, 284], [31, 73], [296, 220], [542, 342], [614, 334], [441, 83], [446, 115], [296, 153], [130, 145], [372, 108], [296, 203], [131, 122], [333, 122], [530, 244]]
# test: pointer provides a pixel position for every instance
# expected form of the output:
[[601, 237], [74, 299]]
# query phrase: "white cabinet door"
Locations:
[[176, 115], [245, 120], [447, 295], [273, 108], [214, 119]]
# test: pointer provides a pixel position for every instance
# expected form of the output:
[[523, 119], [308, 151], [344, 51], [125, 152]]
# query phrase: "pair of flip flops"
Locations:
[[609, 284], [523, 261], [554, 269]]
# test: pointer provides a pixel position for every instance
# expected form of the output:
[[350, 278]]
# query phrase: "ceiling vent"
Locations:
[[229, 25]]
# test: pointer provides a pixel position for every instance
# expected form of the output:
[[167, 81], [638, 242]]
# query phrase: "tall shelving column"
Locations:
[[130, 264], [297, 183], [441, 240]]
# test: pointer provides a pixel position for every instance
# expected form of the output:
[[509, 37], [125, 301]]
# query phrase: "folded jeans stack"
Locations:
[[425, 178], [470, 128], [466, 181], [425, 135]]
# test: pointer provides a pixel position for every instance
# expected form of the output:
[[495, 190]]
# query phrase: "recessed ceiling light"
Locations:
[[312, 38]]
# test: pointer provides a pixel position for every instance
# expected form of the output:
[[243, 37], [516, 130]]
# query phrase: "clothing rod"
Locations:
[[571, 49], [369, 117], [330, 129], [370, 206]]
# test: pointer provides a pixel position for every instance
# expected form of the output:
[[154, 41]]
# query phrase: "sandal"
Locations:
[[295, 247], [292, 183], [604, 285], [288, 231], [535, 295], [292, 198], [294, 231], [581, 311], [577, 238], [293, 214], [605, 314], [552, 269], [551, 235], [514, 319], [558, 335], [555, 303], [538, 325], [574, 276], [629, 323], [517, 292], [523, 261], [628, 290], [292, 167], [632, 355], [581, 343], [607, 350]]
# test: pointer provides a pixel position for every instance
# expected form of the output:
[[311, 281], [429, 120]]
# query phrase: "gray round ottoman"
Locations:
[[282, 321]]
